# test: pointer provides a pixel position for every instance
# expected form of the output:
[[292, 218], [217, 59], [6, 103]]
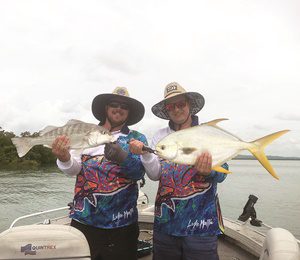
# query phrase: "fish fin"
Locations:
[[214, 122], [51, 127], [22, 144], [220, 169], [188, 150], [74, 121], [47, 129], [257, 149]]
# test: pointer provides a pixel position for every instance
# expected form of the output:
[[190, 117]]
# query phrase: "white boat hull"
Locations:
[[56, 239]]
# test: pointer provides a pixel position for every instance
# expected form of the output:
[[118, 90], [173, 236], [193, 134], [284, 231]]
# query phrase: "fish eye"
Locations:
[[163, 147]]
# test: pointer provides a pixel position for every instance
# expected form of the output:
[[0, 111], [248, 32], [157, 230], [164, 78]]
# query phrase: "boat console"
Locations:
[[43, 242]]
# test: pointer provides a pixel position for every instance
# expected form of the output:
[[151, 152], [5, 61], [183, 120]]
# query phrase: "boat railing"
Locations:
[[38, 214], [142, 202]]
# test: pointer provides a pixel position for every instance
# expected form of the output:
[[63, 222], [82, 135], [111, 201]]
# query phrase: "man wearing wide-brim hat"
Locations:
[[187, 214], [106, 190]]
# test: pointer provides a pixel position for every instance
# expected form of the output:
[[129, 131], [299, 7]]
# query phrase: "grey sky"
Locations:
[[243, 56]]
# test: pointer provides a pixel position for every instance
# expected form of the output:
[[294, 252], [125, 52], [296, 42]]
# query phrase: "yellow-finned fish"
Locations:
[[185, 145], [82, 135]]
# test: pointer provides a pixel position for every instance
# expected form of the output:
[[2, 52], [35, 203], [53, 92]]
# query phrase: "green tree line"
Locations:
[[38, 157]]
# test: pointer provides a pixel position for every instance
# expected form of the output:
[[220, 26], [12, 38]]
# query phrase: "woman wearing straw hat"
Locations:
[[106, 190], [187, 213]]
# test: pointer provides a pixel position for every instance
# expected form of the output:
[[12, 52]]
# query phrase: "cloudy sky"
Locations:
[[243, 56]]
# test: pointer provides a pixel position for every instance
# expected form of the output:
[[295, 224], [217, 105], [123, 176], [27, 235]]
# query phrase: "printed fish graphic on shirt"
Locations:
[[91, 184], [176, 187]]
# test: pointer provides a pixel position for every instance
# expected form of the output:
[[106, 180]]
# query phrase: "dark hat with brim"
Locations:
[[136, 108], [173, 89]]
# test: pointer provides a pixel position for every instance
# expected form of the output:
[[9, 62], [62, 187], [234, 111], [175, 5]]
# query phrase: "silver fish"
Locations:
[[82, 135], [186, 145]]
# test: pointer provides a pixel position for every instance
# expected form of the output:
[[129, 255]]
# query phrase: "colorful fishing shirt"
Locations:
[[106, 193], [187, 203]]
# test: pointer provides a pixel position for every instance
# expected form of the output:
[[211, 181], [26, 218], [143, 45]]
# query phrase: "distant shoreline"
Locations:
[[281, 158]]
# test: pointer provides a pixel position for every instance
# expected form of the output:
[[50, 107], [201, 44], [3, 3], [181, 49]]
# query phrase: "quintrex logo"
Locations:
[[30, 249]]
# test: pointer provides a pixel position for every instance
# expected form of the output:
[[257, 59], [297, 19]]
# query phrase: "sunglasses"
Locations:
[[123, 106], [171, 106]]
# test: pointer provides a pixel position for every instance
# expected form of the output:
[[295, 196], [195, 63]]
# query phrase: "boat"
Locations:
[[53, 238]]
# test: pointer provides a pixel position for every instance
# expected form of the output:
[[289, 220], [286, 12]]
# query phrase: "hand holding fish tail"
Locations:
[[60, 148], [203, 164]]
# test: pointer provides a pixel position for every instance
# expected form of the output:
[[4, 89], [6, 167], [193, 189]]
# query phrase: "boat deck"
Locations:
[[227, 249], [238, 243]]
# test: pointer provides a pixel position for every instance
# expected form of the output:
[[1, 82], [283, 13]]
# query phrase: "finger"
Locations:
[[207, 163], [198, 163], [65, 139], [132, 146], [135, 147], [140, 150], [55, 145], [209, 160], [59, 139], [66, 142], [134, 142], [201, 163], [56, 140], [62, 145]]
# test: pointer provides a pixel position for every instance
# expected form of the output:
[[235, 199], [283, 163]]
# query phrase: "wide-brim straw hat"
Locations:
[[173, 89], [136, 108]]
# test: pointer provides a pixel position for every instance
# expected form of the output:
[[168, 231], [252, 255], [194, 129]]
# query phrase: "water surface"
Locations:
[[278, 204]]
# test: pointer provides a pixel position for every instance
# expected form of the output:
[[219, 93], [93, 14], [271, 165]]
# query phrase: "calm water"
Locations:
[[278, 202]]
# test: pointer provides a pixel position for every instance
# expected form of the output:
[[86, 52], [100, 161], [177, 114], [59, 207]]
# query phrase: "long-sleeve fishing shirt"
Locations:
[[105, 192], [186, 202]]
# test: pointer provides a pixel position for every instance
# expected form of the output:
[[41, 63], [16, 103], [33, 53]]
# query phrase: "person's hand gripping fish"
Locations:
[[60, 148], [137, 147], [203, 162]]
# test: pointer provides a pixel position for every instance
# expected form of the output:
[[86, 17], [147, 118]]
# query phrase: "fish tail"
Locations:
[[220, 169], [257, 149], [22, 144]]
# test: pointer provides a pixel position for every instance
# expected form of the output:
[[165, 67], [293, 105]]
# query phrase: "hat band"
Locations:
[[173, 93]]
